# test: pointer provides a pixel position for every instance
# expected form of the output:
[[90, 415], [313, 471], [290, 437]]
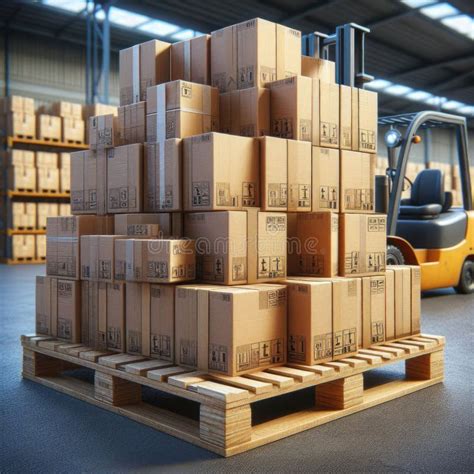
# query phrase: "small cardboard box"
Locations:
[[63, 242], [48, 127], [163, 176], [40, 247], [362, 244], [66, 309], [325, 114], [47, 179], [142, 66], [116, 317], [403, 293], [288, 52], [220, 172], [83, 182], [320, 69], [125, 179], [103, 132], [157, 260], [73, 129], [43, 305], [131, 123], [19, 124], [230, 331], [313, 245], [290, 108], [45, 210], [310, 332], [373, 311], [325, 179], [345, 117], [21, 178], [357, 172], [191, 61]]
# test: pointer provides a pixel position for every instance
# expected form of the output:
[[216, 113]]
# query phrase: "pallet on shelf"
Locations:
[[23, 140], [23, 261], [225, 420], [37, 194]]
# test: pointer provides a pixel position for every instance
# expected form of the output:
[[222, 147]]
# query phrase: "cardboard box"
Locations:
[[64, 180], [20, 158], [73, 130], [19, 215], [64, 209], [313, 245], [66, 309], [191, 61], [46, 159], [21, 178], [274, 173], [93, 110], [17, 103], [245, 112], [83, 182], [238, 247], [325, 179], [357, 171], [403, 292], [220, 172], [48, 127], [415, 299], [67, 109], [63, 242], [94, 314], [47, 179], [116, 317], [155, 260], [320, 69], [325, 114], [290, 108], [163, 176], [256, 53], [345, 117], [310, 334], [19, 124], [43, 305], [142, 66], [20, 247], [373, 311], [299, 176], [362, 244], [131, 123], [288, 52], [230, 331], [40, 247], [138, 225], [45, 210], [103, 132], [224, 59], [125, 179], [364, 120], [389, 304]]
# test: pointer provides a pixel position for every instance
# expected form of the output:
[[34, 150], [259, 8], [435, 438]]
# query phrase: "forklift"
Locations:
[[424, 230]]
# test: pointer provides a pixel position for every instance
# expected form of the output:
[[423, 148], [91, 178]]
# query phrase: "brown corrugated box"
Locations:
[[46, 159], [84, 182], [309, 321], [288, 52], [125, 179], [364, 120], [19, 246], [373, 311], [103, 132], [220, 172], [17, 103], [345, 117], [19, 215], [19, 123], [325, 114], [21, 178], [163, 176], [45, 210], [362, 244], [191, 61], [290, 108], [325, 179], [163, 225], [73, 129], [299, 176], [357, 174], [66, 309], [48, 127], [415, 299], [224, 59], [47, 179], [67, 109], [131, 123], [230, 331], [313, 244], [19, 158], [316, 68]]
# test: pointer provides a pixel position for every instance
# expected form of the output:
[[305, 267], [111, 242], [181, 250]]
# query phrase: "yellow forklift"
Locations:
[[426, 229]]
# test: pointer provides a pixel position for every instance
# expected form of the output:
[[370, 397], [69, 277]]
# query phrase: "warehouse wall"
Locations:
[[49, 69]]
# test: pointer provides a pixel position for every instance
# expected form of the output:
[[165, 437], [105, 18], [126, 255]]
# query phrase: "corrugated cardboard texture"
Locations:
[[325, 179], [131, 123], [224, 59], [191, 61], [345, 117], [320, 69], [161, 312], [288, 52], [274, 173], [325, 114]]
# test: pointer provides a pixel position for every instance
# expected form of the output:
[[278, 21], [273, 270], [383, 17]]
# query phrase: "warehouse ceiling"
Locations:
[[428, 50]]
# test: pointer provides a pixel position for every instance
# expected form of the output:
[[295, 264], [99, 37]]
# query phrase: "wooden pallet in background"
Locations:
[[225, 403]]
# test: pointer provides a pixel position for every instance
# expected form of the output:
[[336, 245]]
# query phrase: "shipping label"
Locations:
[[134, 341], [296, 348], [305, 130], [352, 262], [248, 194], [156, 269], [272, 298], [260, 354], [345, 341], [275, 224], [239, 268], [322, 346], [201, 194], [367, 140], [160, 345], [328, 197], [283, 127], [105, 269], [114, 338], [300, 195], [328, 133], [277, 195], [377, 224], [378, 331], [271, 267], [187, 352], [375, 261], [218, 357], [64, 328], [359, 199]]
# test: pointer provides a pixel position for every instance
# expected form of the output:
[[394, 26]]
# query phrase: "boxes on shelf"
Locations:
[[66, 109], [220, 172], [238, 247], [47, 179], [181, 109], [191, 61], [155, 260], [46, 159], [17, 157], [20, 178], [17, 103], [19, 247], [163, 225], [48, 127], [131, 123], [245, 328], [73, 129], [45, 210], [21, 215], [18, 124], [40, 247]]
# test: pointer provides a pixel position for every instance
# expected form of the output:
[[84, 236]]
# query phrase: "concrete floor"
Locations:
[[45, 431]]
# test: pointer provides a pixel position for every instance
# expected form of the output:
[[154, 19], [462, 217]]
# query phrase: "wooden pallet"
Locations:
[[22, 261], [226, 403]]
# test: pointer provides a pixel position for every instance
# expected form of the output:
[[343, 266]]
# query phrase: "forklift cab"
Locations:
[[426, 229]]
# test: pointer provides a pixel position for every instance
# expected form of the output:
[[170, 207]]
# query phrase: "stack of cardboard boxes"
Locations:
[[17, 116], [242, 197]]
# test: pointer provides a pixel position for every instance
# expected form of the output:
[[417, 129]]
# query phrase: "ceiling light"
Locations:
[[463, 24], [378, 84], [183, 35], [126, 18], [418, 3], [436, 101], [159, 28], [466, 109], [69, 5], [452, 104], [397, 89], [439, 10], [419, 95]]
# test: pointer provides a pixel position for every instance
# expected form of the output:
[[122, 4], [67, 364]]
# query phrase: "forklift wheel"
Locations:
[[394, 256], [466, 279]]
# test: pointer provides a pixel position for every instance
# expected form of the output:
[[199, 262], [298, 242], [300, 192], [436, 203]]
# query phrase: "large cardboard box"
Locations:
[[156, 260], [84, 182], [191, 60], [313, 245], [290, 108], [19, 247], [20, 177], [345, 117], [45, 210], [73, 129], [163, 225], [325, 114], [163, 176], [373, 311], [19, 124], [103, 132], [115, 317], [403, 293], [142, 66], [48, 127], [357, 171], [325, 179], [238, 247], [230, 331], [66, 309], [364, 120], [316, 68], [220, 172], [131, 123], [288, 52], [63, 242], [310, 334], [125, 179], [43, 305], [362, 244]]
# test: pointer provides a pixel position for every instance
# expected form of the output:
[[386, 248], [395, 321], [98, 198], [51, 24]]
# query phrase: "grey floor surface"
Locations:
[[45, 431]]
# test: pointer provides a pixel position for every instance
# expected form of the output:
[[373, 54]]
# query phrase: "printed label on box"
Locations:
[[160, 344], [218, 358], [187, 352], [322, 346], [201, 194]]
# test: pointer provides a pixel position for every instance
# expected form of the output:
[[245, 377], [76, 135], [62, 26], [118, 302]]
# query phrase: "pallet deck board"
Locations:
[[225, 402]]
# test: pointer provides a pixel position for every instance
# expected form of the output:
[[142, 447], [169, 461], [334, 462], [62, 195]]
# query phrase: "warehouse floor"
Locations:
[[44, 431]]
